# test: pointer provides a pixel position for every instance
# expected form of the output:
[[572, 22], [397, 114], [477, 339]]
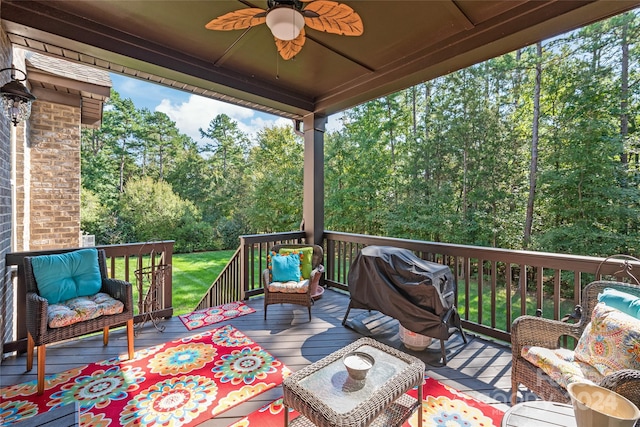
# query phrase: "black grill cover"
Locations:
[[393, 281]]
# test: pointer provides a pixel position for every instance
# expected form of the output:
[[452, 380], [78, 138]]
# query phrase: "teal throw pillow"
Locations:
[[306, 258], [626, 303], [285, 268], [61, 277]]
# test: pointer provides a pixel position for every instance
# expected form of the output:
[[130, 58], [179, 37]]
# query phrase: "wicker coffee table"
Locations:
[[325, 395]]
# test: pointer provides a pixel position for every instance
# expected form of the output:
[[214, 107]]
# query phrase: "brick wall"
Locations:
[[6, 288], [54, 159]]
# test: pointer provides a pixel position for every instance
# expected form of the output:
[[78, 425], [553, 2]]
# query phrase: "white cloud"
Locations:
[[191, 112], [334, 123], [197, 112], [258, 123]]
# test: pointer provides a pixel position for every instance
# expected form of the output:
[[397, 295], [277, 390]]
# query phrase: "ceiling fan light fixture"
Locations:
[[285, 22]]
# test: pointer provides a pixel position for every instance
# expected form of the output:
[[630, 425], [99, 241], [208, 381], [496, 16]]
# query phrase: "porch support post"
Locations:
[[313, 205]]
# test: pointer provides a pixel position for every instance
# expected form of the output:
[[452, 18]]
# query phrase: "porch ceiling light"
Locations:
[[285, 22], [16, 98]]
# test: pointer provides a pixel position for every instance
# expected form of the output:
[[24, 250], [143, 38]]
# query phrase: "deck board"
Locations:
[[481, 369]]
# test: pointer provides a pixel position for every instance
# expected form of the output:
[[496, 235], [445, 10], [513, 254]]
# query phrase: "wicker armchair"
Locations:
[[40, 334], [536, 331], [304, 299]]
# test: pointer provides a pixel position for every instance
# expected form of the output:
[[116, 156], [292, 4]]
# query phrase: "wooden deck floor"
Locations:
[[480, 368]]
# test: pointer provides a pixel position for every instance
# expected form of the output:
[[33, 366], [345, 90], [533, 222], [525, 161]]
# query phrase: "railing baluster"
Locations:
[[540, 288], [467, 287], [522, 285], [556, 294], [508, 289], [494, 289], [466, 262], [480, 290]]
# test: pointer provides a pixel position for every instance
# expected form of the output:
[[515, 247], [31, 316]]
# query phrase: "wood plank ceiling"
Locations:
[[404, 43]]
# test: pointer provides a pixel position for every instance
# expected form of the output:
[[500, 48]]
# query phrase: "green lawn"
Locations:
[[566, 306], [193, 274]]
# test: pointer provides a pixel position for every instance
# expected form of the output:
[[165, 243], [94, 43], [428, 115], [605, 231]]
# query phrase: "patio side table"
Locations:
[[325, 395]]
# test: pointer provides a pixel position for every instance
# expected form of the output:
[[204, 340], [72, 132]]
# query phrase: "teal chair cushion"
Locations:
[[61, 277], [625, 302]]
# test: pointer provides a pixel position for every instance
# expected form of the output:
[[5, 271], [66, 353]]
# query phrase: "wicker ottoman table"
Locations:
[[325, 395]]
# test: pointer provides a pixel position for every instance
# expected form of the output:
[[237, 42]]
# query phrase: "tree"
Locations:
[[121, 125], [226, 157], [98, 219], [498, 154], [160, 140], [191, 176], [580, 171], [274, 201], [533, 170], [152, 211], [364, 151], [228, 145], [99, 166]]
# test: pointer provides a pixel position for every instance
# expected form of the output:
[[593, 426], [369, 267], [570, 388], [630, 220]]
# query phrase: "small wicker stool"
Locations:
[[325, 395]]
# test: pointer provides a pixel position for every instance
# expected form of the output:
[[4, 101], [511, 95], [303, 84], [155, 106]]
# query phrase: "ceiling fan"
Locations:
[[286, 20]]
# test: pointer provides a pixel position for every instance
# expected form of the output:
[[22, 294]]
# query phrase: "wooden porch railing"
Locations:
[[226, 288], [240, 279], [123, 261], [491, 283]]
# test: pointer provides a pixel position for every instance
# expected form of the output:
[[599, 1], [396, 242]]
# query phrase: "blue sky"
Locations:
[[192, 112]]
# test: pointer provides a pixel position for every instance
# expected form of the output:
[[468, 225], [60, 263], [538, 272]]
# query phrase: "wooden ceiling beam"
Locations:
[[99, 40]]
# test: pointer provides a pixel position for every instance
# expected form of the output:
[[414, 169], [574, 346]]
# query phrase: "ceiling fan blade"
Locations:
[[238, 20], [290, 48], [334, 18]]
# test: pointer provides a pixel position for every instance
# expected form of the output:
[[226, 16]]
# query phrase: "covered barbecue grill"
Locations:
[[418, 293]]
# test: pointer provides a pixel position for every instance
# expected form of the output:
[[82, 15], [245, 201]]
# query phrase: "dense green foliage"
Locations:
[[455, 159]]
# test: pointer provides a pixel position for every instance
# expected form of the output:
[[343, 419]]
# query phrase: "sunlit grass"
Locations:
[[192, 276], [566, 306]]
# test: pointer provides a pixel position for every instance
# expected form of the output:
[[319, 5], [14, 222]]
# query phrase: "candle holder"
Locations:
[[358, 364]]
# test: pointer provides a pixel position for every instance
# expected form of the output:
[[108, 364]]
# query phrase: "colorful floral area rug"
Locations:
[[180, 383], [442, 406], [209, 316]]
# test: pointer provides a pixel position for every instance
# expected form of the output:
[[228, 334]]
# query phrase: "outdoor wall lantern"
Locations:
[[16, 98]]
